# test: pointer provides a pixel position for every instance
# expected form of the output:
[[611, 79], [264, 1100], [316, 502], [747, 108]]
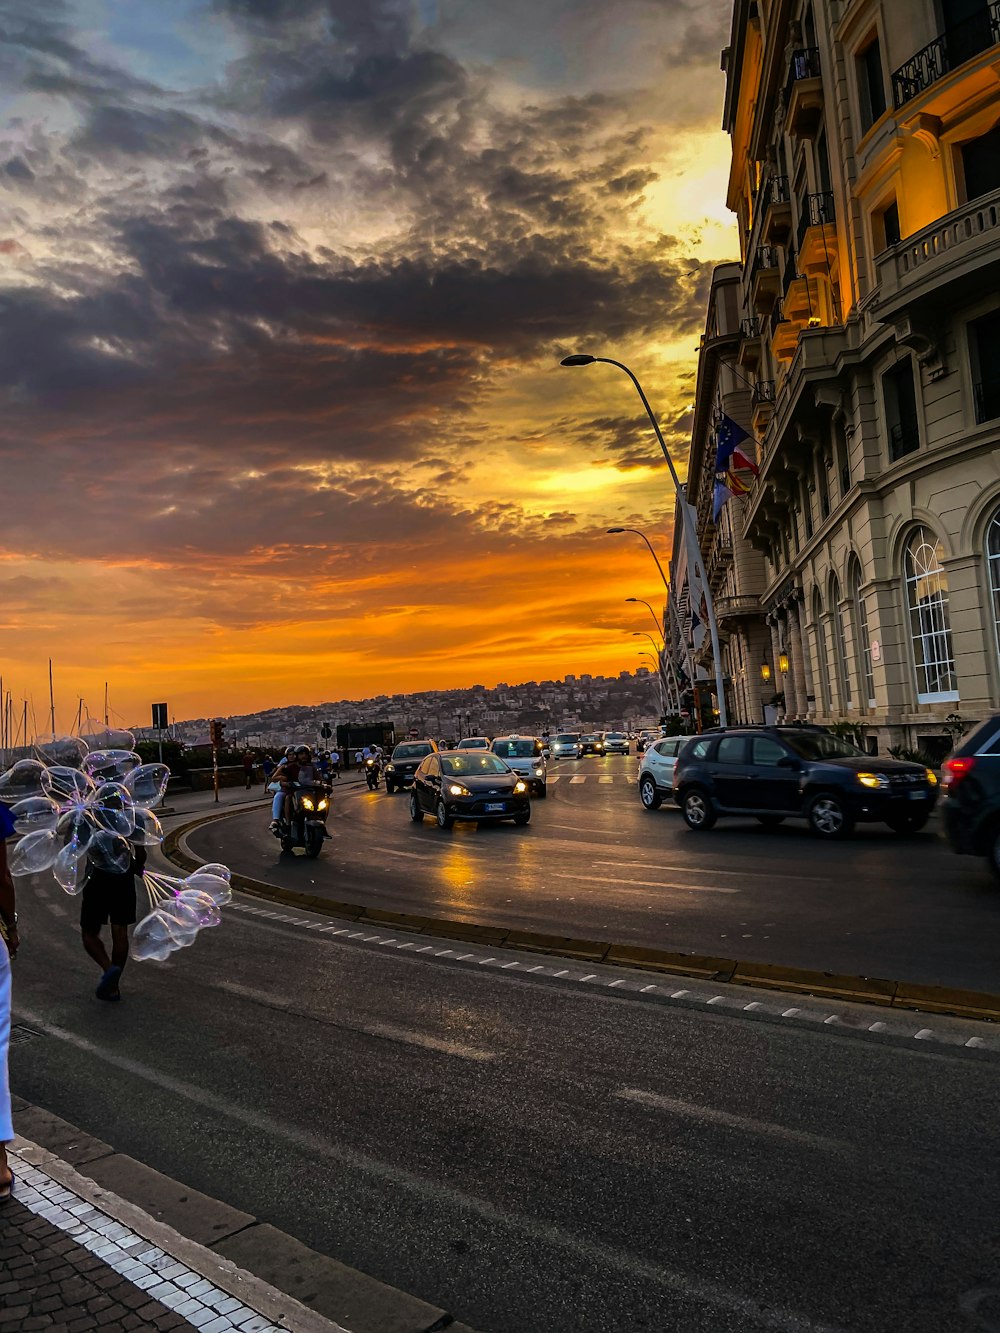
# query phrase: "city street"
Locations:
[[594, 863], [533, 1155]]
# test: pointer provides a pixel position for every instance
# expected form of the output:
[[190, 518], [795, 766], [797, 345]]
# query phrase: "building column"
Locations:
[[797, 652], [794, 701], [777, 679]]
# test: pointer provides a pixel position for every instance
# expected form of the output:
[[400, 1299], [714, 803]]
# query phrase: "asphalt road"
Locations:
[[532, 1155], [593, 863]]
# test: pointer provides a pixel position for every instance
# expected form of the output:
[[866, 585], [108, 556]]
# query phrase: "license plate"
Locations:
[[918, 796], [492, 807]]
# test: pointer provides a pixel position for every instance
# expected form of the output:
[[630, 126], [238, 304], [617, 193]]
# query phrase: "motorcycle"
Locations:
[[310, 807], [373, 771]]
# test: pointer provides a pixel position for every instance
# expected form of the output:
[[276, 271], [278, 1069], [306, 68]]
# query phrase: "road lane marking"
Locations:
[[606, 777], [686, 1286], [728, 1120], [697, 870], [578, 777], [644, 883]]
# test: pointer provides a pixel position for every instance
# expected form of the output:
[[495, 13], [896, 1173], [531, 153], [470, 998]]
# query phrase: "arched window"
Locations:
[[862, 636], [993, 565], [930, 622], [840, 633], [823, 670]]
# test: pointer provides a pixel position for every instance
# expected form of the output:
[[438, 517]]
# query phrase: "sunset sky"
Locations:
[[285, 288]]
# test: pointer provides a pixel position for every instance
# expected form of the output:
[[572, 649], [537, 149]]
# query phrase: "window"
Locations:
[[981, 164], [767, 751], [699, 749], [984, 352], [886, 229], [871, 85], [824, 489], [993, 565], [862, 637], [732, 750], [840, 645], [901, 409], [930, 621]]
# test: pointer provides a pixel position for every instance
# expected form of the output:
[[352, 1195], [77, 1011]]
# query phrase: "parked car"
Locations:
[[474, 743], [592, 743], [656, 771], [616, 742], [526, 756], [971, 781], [403, 762], [566, 746], [468, 784], [781, 772]]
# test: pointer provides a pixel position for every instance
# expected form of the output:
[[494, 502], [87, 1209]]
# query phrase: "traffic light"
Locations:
[[215, 729]]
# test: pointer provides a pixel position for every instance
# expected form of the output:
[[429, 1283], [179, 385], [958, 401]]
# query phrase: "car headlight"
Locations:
[[539, 772], [932, 777], [877, 781], [390, 768], [457, 790], [520, 788], [307, 803], [323, 804]]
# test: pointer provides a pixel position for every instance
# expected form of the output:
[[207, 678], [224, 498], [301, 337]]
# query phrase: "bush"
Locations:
[[913, 756]]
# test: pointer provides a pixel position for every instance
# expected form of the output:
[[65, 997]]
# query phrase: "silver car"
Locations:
[[616, 742], [526, 756], [656, 771], [567, 745]]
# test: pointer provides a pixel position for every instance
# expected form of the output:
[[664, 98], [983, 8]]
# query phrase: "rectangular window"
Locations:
[[984, 351], [981, 164], [871, 85], [886, 227], [901, 410], [732, 750]]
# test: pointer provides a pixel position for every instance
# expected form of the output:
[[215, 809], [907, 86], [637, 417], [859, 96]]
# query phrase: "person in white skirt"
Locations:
[[8, 948]]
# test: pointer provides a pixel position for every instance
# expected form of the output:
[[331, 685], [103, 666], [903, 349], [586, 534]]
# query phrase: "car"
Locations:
[[468, 784], [616, 742], [526, 756], [403, 763], [656, 772], [971, 783], [592, 742], [644, 739], [566, 745], [800, 772], [474, 743]]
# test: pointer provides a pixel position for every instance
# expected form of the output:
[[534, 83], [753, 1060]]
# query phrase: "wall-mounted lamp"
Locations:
[[765, 672], [783, 662]]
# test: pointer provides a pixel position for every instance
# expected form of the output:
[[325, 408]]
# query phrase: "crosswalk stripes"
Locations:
[[601, 777]]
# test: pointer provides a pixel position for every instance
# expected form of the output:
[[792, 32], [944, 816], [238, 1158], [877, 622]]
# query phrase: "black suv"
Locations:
[[775, 773], [972, 793], [403, 761]]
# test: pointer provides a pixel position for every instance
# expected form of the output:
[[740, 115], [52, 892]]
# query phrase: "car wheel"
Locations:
[[444, 820], [909, 823], [648, 794], [829, 817], [770, 821], [523, 818], [416, 814], [541, 791], [697, 810]]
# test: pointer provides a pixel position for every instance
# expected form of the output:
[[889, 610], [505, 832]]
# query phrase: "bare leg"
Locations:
[[95, 947], [6, 1175], [119, 945]]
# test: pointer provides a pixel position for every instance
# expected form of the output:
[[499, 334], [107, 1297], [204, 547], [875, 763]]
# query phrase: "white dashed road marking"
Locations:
[[712, 1115]]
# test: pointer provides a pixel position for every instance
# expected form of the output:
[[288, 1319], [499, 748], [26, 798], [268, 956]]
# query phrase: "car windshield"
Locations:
[[412, 751], [821, 745], [589, 738], [568, 739], [614, 736], [514, 749], [472, 765], [474, 743]]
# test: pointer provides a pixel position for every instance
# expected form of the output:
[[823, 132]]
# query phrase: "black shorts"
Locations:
[[107, 898]]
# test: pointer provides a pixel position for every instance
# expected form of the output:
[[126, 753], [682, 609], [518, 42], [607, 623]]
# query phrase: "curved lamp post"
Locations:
[[661, 672], [690, 537], [658, 677]]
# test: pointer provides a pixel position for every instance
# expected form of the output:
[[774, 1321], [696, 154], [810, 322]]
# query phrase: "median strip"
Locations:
[[866, 990]]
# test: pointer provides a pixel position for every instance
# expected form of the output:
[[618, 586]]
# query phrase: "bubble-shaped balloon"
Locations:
[[34, 853], [111, 765], [148, 831], [214, 868], [22, 780], [68, 751], [182, 919], [33, 813], [112, 809], [110, 851], [213, 886], [74, 824], [202, 906], [99, 737], [152, 938], [147, 783], [67, 784], [71, 867]]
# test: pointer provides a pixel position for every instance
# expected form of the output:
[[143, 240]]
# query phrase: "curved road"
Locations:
[[593, 863]]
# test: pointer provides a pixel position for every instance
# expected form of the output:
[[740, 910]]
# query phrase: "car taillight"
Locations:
[[956, 769]]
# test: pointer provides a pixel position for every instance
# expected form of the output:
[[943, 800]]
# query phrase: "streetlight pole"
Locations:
[[690, 536], [664, 657], [658, 678], [641, 634]]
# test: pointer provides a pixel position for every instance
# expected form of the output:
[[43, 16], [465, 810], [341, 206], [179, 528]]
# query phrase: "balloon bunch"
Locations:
[[89, 811]]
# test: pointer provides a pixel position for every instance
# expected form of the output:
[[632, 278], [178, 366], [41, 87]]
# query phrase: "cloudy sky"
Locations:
[[285, 284]]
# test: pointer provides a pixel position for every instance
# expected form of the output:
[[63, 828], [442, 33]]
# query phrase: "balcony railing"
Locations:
[[804, 64], [790, 274], [765, 257], [733, 608], [946, 52], [777, 317], [752, 327], [987, 399], [763, 391], [817, 210]]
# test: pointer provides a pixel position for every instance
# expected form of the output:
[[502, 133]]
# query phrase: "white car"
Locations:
[[616, 742], [656, 771], [526, 756], [475, 743], [567, 745]]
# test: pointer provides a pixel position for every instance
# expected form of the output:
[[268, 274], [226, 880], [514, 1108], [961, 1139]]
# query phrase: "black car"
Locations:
[[776, 773], [403, 763], [468, 784], [592, 742], [972, 793]]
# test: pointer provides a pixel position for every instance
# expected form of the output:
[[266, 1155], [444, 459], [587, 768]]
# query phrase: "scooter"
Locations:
[[373, 771], [310, 807]]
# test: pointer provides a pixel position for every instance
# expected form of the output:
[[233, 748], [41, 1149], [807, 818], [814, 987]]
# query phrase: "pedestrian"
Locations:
[[248, 767], [335, 763], [267, 764], [109, 895], [8, 951], [359, 758]]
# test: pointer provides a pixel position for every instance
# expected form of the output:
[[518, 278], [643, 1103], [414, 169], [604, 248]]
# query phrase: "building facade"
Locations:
[[866, 183]]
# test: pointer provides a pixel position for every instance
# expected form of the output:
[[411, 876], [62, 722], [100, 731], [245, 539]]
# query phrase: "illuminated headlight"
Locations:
[[323, 804], [877, 781], [390, 768], [307, 803], [520, 788], [456, 790], [539, 772], [932, 777]]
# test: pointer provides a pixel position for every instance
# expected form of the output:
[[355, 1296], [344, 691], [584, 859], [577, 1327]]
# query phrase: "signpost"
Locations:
[[215, 729], [160, 722]]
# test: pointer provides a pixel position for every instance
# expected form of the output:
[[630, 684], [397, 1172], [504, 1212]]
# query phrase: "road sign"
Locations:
[[160, 716], [325, 731]]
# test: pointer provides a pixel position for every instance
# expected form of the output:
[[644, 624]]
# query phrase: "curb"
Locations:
[[264, 1268], [739, 972]]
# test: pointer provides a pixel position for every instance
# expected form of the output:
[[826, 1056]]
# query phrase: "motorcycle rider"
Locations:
[[297, 771]]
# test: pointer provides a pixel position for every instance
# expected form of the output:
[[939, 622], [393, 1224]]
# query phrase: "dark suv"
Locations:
[[972, 793], [403, 762], [775, 773]]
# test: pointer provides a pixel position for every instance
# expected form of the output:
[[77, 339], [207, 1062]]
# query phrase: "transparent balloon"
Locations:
[[33, 813], [110, 851], [214, 868], [152, 938], [111, 765], [148, 831], [182, 919], [68, 751], [112, 809], [99, 737], [74, 823], [202, 905], [34, 853], [71, 868], [147, 783], [213, 886], [22, 780], [67, 784]]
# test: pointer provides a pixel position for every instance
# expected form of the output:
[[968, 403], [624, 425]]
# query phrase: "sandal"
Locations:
[[7, 1190]]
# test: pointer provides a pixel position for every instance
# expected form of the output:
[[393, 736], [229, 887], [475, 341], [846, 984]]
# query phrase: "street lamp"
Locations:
[[639, 533], [765, 672], [651, 612], [690, 536], [783, 661], [673, 676]]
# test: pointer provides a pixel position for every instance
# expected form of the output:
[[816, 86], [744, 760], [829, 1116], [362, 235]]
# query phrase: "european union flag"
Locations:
[[728, 437]]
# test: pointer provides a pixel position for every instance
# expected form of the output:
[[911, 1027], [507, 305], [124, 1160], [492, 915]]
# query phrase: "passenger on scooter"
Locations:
[[297, 771]]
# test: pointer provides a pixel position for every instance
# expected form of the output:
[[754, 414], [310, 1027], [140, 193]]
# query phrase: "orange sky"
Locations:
[[284, 420]]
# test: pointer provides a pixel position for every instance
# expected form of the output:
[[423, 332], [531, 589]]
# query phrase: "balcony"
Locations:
[[817, 233], [808, 303], [775, 203], [804, 93], [748, 352], [761, 405], [742, 607], [764, 278], [954, 47]]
